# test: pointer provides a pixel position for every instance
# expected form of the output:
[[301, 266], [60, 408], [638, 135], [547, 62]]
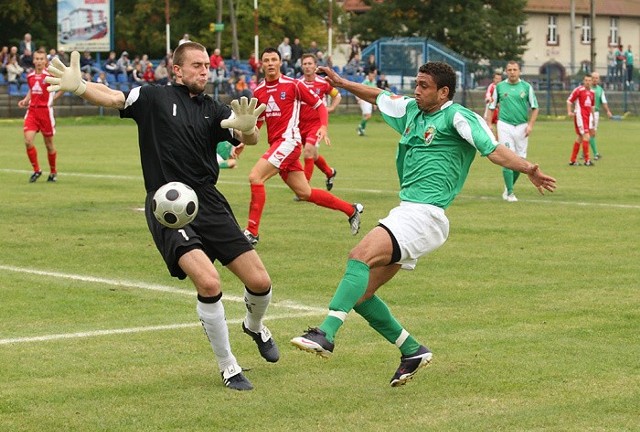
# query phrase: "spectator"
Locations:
[[629, 61], [383, 83], [144, 61], [63, 56], [124, 64], [4, 59], [149, 76], [285, 53], [242, 88], [111, 64], [26, 44], [313, 48], [102, 79], [162, 73], [26, 60], [215, 59], [14, 71], [137, 74], [355, 49], [354, 67], [321, 60], [620, 58], [87, 64], [185, 38], [371, 63], [221, 79], [254, 64], [296, 56], [253, 83], [52, 54]]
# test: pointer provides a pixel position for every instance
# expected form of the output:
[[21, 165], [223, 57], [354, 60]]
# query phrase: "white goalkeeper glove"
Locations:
[[66, 78], [246, 115]]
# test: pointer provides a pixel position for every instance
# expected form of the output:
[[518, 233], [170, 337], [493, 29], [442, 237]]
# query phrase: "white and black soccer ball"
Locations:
[[175, 205]]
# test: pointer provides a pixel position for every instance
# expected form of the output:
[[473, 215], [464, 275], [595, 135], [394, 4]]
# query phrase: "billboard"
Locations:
[[85, 25]]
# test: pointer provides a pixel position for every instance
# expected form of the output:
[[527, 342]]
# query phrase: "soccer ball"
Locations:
[[175, 205]]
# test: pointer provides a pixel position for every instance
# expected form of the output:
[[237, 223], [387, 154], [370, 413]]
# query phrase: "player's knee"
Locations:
[[261, 283], [208, 286]]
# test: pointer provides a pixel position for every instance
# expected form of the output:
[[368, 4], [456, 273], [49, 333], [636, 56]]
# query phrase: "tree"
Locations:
[[477, 29]]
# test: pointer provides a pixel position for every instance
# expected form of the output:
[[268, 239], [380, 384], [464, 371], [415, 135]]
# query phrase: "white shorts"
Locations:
[[418, 229], [594, 119], [514, 137], [365, 107]]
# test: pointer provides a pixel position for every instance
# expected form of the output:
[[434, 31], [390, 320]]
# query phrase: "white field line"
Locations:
[[280, 185], [301, 310]]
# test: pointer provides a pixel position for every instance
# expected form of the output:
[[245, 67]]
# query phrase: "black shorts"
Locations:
[[215, 230]]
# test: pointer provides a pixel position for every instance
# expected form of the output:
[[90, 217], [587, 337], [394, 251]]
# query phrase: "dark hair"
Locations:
[[442, 74], [180, 52], [270, 50]]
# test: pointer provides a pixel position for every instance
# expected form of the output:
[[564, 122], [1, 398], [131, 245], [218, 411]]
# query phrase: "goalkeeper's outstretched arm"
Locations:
[[69, 79]]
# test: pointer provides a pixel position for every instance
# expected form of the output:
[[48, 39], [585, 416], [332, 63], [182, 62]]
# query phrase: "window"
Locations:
[[552, 30], [614, 37], [586, 30]]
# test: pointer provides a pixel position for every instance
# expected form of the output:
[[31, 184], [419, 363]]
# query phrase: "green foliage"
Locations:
[[477, 29]]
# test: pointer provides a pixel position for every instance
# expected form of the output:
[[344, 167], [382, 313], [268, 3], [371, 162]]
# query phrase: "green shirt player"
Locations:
[[439, 140], [367, 107], [516, 98], [601, 102]]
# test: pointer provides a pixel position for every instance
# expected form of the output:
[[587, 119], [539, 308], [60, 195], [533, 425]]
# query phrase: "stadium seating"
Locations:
[[24, 89], [14, 89]]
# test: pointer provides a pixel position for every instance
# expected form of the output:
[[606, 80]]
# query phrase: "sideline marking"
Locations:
[[288, 304], [152, 287], [95, 333]]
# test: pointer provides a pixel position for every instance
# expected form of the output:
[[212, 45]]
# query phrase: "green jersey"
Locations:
[[600, 97], [369, 83], [436, 149], [515, 100]]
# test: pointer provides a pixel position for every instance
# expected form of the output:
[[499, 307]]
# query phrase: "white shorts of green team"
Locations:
[[419, 230], [365, 107], [595, 119], [514, 137]]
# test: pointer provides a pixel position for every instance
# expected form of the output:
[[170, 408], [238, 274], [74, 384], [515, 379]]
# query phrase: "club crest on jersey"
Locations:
[[429, 134], [283, 95]]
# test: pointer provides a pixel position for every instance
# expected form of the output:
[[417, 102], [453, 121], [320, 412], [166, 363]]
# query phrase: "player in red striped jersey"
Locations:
[[39, 117], [580, 106], [310, 121], [283, 96]]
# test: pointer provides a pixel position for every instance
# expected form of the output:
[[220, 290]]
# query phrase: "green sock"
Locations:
[[223, 164], [352, 286], [379, 317], [594, 147], [516, 174], [507, 174], [363, 124]]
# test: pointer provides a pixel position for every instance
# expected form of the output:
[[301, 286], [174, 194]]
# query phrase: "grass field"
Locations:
[[532, 309]]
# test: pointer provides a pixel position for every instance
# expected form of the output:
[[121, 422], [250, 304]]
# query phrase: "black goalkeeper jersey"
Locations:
[[177, 134]]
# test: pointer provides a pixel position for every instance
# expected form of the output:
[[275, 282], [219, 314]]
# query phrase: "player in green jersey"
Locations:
[[516, 98], [367, 107], [439, 140], [601, 102]]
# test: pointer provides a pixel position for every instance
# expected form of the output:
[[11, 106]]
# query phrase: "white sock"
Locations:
[[215, 327], [256, 308]]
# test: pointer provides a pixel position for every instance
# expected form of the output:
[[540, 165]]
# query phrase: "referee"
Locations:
[[178, 130]]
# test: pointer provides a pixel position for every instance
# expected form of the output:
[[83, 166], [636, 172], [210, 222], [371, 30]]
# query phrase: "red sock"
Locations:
[[585, 150], [258, 198], [324, 166], [308, 168], [574, 153], [32, 154], [328, 200], [52, 162]]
